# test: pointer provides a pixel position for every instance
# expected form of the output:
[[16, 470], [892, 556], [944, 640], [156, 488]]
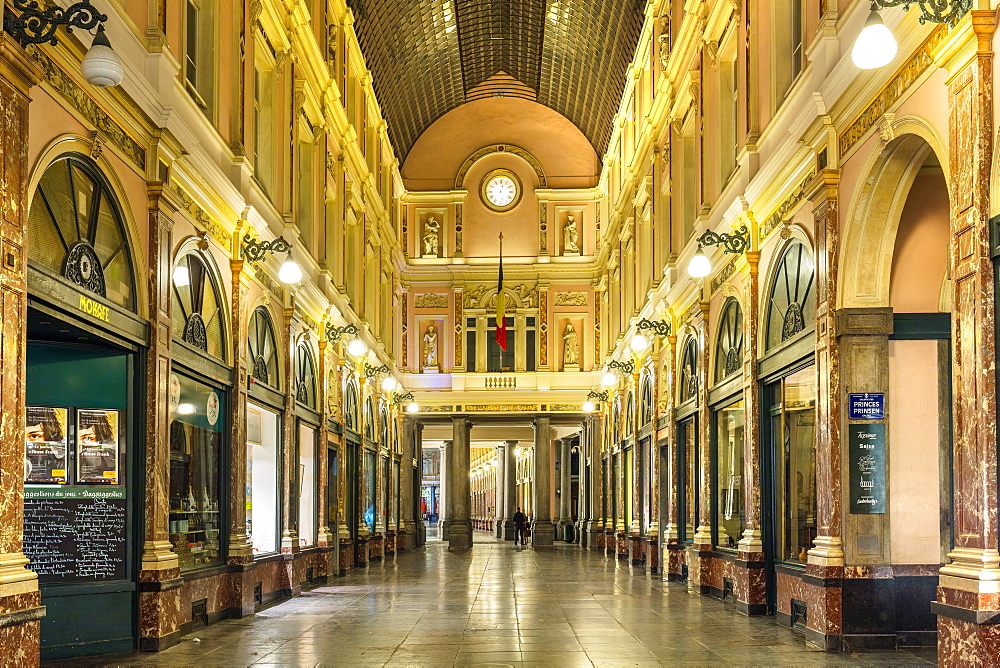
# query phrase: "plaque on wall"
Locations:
[[866, 456], [96, 447], [45, 436], [75, 534], [866, 406]]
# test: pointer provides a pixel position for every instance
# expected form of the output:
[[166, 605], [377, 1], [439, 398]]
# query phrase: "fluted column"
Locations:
[[459, 520], [542, 531], [509, 465], [444, 490], [565, 485]]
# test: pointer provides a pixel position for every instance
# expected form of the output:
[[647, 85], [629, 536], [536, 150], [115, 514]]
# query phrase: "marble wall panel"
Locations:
[[160, 613], [270, 575], [20, 644], [967, 645]]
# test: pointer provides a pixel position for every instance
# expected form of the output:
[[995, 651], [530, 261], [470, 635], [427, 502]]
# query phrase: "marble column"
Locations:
[[459, 500], [444, 489], [501, 489], [409, 504], [595, 488], [565, 486], [290, 468], [580, 533], [542, 530], [418, 482], [508, 462], [20, 602]]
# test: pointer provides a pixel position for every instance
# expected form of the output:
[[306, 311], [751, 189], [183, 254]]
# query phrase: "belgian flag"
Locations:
[[501, 317]]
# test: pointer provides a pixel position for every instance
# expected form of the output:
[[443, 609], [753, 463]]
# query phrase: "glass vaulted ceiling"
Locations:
[[429, 56]]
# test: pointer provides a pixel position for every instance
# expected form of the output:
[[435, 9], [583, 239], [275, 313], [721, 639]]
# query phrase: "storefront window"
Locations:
[[307, 485], [629, 485], [369, 516], [195, 466], [793, 433], [729, 422], [262, 479]]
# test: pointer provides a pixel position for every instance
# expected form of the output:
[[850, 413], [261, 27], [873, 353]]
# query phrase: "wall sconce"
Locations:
[[100, 67], [411, 407], [373, 371], [334, 333], [735, 243], [254, 251], [588, 405], [876, 45], [627, 366], [658, 327]]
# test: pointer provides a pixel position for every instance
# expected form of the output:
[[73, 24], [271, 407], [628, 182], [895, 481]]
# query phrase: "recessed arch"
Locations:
[[506, 149]]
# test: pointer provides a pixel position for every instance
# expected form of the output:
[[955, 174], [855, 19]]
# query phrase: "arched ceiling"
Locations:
[[428, 57]]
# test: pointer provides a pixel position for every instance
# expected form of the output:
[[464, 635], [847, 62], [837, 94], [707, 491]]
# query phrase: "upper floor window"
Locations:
[[199, 51], [788, 46], [197, 313], [305, 376], [262, 347], [689, 371], [351, 406], [729, 343], [792, 304]]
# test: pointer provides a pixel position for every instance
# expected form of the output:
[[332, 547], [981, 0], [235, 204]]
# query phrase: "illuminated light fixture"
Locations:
[[699, 267], [290, 271], [181, 276], [389, 384], [412, 407], [254, 250], [609, 379], [736, 242], [357, 348], [638, 343], [588, 406], [335, 333], [875, 45], [101, 66], [627, 366], [185, 409], [373, 371]]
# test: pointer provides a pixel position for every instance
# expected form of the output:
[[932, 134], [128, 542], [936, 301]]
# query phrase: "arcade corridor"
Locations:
[[500, 605]]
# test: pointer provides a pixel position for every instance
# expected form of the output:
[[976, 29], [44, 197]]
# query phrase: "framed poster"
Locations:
[[45, 437], [866, 457], [97, 447]]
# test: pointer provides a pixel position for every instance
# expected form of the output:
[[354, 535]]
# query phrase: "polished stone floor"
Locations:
[[500, 605]]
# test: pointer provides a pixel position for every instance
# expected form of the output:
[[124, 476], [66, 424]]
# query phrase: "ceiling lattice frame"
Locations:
[[428, 57]]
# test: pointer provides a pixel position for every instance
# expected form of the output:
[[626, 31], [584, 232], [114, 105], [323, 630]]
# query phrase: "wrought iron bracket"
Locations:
[[933, 11], [36, 25], [335, 333], [627, 366], [255, 250], [601, 396], [400, 398], [659, 327], [372, 371], [737, 242]]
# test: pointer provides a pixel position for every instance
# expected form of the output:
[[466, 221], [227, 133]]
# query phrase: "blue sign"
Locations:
[[866, 406]]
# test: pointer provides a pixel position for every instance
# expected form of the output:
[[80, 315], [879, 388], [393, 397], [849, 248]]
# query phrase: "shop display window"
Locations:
[[729, 434], [794, 437], [196, 503], [307, 485], [369, 514], [262, 479]]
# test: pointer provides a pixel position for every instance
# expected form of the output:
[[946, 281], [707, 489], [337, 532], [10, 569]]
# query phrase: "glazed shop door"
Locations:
[[80, 495]]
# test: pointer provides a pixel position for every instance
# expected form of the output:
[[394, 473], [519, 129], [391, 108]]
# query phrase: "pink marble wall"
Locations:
[[20, 642]]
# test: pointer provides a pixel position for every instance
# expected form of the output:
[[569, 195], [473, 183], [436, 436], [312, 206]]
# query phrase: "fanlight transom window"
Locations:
[[351, 406], [305, 376], [729, 345], [197, 315], [263, 349], [792, 303], [76, 230], [689, 371]]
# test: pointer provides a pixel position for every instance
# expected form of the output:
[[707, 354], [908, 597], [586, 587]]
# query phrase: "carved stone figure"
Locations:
[[571, 349], [430, 350], [432, 235], [571, 237]]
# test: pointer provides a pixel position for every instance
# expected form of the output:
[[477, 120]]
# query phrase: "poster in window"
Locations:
[[45, 436], [96, 447]]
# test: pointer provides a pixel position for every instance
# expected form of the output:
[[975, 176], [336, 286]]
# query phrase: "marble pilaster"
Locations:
[[565, 485], [443, 490], [409, 501], [542, 530], [510, 504], [459, 520], [595, 487]]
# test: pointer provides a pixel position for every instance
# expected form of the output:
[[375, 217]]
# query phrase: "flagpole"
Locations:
[[505, 315]]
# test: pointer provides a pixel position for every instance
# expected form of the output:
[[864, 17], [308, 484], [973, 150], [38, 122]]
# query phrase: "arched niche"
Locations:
[[351, 405]]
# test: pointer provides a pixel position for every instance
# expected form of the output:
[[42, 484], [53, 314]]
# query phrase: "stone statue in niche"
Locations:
[[432, 237], [571, 237], [571, 349], [430, 348]]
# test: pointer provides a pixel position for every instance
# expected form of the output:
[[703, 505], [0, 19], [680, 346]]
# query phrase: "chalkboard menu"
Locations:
[[75, 534]]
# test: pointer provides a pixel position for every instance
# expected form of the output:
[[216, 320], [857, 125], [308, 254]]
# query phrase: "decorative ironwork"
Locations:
[[373, 371], [83, 267], [305, 376], [793, 322], [335, 333], [36, 25], [601, 396], [259, 369], [195, 332], [627, 366], [302, 394], [255, 250], [736, 242], [659, 327], [933, 11], [401, 398]]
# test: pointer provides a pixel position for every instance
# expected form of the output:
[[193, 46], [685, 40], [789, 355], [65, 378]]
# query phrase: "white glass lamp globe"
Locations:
[[389, 383], [875, 46], [290, 271], [357, 348], [412, 407], [639, 343], [608, 379], [699, 267], [101, 66], [588, 406], [181, 276], [185, 409]]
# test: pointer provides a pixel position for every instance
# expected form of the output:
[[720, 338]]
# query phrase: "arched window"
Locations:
[[689, 371], [263, 349], [383, 424], [351, 406], [729, 340], [629, 415], [197, 314], [76, 230], [792, 303], [617, 419], [369, 418], [646, 400], [305, 376]]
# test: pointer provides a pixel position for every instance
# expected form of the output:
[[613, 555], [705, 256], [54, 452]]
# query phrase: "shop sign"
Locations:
[[94, 309], [866, 455], [866, 406]]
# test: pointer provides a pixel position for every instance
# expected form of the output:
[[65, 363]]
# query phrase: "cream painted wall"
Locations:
[[914, 470], [920, 256]]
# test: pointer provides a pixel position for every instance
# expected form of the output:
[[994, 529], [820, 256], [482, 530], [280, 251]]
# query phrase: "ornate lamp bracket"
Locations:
[[373, 371], [36, 25], [255, 250], [736, 242], [335, 333], [600, 396], [402, 398], [626, 367], [658, 327], [933, 11]]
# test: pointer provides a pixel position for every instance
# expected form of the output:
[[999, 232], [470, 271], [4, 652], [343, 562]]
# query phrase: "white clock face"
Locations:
[[501, 190]]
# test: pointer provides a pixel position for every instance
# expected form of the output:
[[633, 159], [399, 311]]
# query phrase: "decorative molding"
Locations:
[[484, 296], [429, 300], [543, 328], [272, 286], [901, 83], [459, 329], [691, 312], [501, 148], [500, 408], [86, 105], [543, 229], [790, 202], [202, 217], [405, 327], [571, 299], [723, 275], [440, 409]]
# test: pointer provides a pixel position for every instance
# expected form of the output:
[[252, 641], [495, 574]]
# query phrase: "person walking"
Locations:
[[519, 521]]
